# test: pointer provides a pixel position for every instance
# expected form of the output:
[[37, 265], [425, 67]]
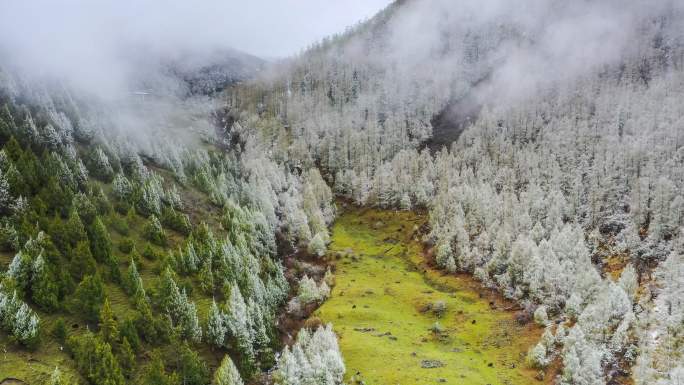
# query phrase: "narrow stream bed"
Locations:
[[401, 322]]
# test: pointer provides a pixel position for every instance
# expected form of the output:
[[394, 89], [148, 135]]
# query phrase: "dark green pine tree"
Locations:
[[67, 234], [167, 290], [101, 247], [86, 209], [7, 124], [44, 285], [130, 333], [190, 367], [28, 167], [17, 186], [100, 244], [89, 297], [126, 358], [57, 199], [156, 373], [109, 330], [95, 360], [107, 370], [82, 262], [13, 149]]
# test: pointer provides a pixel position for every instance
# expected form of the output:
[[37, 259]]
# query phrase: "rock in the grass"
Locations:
[[12, 381], [378, 225], [430, 364], [364, 330]]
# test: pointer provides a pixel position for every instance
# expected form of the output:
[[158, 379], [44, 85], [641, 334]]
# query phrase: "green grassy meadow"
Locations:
[[380, 308]]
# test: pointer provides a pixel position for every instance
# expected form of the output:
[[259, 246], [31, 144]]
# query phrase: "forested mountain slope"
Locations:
[[143, 232], [564, 190], [136, 255]]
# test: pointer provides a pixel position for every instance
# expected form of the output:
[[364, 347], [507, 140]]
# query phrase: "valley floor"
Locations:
[[386, 307]]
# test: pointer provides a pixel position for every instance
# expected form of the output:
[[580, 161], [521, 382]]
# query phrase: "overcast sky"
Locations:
[[98, 43], [282, 27], [268, 28]]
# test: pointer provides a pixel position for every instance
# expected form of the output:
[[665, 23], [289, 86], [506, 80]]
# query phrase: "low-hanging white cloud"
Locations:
[[530, 43], [91, 42]]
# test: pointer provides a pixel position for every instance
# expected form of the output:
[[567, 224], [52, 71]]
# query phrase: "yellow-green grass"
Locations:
[[382, 287], [35, 367]]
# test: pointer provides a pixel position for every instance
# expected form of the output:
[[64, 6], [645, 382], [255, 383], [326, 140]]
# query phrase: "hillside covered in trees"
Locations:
[[123, 264], [563, 190], [178, 234]]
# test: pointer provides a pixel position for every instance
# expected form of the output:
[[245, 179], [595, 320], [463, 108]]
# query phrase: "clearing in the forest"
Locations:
[[401, 322]]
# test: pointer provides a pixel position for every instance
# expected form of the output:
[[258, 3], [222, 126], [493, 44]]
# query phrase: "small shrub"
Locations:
[[294, 307], [187, 286], [122, 207], [101, 203], [120, 225], [150, 253], [309, 292], [540, 316], [9, 240], [176, 220], [313, 323], [536, 357], [317, 245], [126, 245], [436, 328], [60, 330], [439, 308]]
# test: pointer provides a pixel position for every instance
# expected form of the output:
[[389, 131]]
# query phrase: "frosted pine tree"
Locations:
[[314, 359], [309, 292], [101, 166], [216, 328], [26, 324], [185, 315], [122, 187], [81, 173], [191, 322], [239, 323], [20, 270], [287, 370], [317, 245], [174, 199], [150, 202], [5, 196], [50, 138], [8, 307]]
